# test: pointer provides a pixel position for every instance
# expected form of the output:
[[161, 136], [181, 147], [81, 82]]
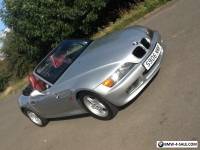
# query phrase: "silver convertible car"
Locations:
[[96, 77]]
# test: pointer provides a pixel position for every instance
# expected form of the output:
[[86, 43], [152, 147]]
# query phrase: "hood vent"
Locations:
[[146, 43], [139, 52]]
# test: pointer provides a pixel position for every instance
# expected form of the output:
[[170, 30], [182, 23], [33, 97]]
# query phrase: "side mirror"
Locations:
[[36, 93]]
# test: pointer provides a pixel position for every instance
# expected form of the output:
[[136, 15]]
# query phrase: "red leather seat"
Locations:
[[35, 83], [57, 61]]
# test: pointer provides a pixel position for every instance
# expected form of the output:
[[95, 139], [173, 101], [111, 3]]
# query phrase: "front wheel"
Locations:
[[35, 118], [97, 106]]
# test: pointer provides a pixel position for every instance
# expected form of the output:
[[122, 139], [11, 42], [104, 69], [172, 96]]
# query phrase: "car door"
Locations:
[[52, 103]]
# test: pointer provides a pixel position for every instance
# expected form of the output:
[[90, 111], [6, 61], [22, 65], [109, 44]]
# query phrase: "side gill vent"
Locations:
[[146, 43], [139, 52]]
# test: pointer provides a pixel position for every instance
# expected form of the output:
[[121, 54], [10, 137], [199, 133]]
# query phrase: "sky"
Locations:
[[2, 26]]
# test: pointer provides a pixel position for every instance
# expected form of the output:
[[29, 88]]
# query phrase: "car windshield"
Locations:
[[55, 64]]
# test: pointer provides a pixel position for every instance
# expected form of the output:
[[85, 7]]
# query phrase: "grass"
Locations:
[[13, 88], [129, 17], [126, 18]]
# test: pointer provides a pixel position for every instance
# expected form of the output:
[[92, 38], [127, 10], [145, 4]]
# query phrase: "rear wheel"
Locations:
[[97, 106], [35, 118]]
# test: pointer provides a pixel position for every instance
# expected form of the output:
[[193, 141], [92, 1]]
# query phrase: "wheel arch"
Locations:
[[77, 94]]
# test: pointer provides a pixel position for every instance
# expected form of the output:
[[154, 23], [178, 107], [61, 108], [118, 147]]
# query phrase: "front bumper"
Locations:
[[133, 83]]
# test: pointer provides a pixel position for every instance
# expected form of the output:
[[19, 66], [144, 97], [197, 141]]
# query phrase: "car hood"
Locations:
[[103, 55], [113, 47]]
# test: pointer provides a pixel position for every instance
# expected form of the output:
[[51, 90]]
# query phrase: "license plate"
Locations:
[[153, 57]]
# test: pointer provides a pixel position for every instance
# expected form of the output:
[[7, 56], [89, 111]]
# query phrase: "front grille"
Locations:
[[146, 43], [139, 52]]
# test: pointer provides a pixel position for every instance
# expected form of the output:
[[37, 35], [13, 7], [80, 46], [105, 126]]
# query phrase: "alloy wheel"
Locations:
[[95, 106]]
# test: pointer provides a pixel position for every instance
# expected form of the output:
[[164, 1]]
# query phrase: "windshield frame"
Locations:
[[85, 44]]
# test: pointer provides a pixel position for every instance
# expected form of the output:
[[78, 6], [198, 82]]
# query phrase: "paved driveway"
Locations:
[[169, 109]]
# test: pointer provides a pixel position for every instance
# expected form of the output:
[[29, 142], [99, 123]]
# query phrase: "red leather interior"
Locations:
[[57, 61], [35, 83]]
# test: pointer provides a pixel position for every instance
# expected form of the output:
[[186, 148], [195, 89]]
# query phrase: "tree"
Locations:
[[46, 22], [20, 55], [4, 76], [39, 25]]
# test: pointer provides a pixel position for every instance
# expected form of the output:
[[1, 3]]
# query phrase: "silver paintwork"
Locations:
[[100, 59]]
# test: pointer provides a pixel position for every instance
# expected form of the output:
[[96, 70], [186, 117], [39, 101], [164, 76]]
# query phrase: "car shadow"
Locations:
[[70, 117], [134, 99]]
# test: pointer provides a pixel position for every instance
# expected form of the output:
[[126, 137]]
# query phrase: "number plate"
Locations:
[[153, 57]]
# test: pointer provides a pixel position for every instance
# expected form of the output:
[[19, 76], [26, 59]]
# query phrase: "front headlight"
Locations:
[[118, 74], [150, 33]]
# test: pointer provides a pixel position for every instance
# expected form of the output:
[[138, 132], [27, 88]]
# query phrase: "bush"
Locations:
[[113, 9], [3, 81]]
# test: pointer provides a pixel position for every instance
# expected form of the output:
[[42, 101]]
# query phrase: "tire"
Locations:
[[97, 106], [35, 118]]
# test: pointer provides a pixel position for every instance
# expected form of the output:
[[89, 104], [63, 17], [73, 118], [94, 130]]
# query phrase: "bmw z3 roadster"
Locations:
[[95, 77]]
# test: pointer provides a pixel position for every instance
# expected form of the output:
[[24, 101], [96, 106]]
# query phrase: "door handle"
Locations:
[[57, 96]]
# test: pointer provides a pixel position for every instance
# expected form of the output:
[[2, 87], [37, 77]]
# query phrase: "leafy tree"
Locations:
[[46, 22], [3, 81], [39, 25], [20, 55], [4, 76]]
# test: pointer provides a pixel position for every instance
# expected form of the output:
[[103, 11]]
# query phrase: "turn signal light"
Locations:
[[108, 83]]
